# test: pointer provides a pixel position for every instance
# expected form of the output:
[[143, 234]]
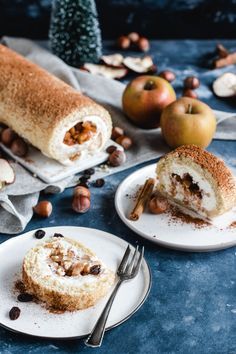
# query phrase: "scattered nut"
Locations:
[[76, 269], [39, 234], [123, 42], [80, 204], [191, 82], [80, 190], [110, 149], [158, 204], [7, 136], [167, 75], [117, 158], [14, 313], [134, 37], [19, 147], [189, 93], [99, 183], [124, 141], [143, 44], [43, 209], [117, 132]]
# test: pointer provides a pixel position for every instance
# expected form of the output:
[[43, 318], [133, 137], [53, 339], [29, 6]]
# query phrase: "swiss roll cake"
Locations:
[[197, 180], [65, 275], [49, 114]]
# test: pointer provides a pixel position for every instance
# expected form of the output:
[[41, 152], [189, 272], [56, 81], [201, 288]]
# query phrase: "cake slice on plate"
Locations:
[[65, 274], [196, 180]]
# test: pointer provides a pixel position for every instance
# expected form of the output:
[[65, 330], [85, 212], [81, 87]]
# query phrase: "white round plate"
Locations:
[[35, 320], [161, 229]]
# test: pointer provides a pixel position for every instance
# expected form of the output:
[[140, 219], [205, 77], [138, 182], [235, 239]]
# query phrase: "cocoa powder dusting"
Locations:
[[19, 287], [178, 216], [233, 225]]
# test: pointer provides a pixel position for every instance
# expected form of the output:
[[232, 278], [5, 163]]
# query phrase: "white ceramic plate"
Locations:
[[37, 321], [162, 230], [50, 170]]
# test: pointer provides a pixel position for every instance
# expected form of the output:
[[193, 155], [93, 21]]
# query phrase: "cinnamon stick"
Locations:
[[222, 52], [142, 199], [230, 59]]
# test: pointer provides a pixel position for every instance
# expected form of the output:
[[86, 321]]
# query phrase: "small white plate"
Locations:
[[162, 230], [35, 320], [50, 170]]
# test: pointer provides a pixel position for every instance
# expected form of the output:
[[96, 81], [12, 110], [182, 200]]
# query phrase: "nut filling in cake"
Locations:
[[195, 179], [65, 275], [80, 133]]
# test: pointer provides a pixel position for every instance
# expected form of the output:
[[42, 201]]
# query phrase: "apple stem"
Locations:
[[149, 85], [189, 110]]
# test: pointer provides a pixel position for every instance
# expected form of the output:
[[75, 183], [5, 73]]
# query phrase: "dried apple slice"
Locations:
[[225, 85], [140, 65], [106, 71], [7, 175], [114, 60]]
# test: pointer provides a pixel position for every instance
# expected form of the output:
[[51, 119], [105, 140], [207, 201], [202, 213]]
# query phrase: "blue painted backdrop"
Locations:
[[154, 18]]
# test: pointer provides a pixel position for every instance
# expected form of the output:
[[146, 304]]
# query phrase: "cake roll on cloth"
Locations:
[[49, 114]]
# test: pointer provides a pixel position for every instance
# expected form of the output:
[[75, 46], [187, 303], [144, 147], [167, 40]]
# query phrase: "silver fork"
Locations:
[[126, 271]]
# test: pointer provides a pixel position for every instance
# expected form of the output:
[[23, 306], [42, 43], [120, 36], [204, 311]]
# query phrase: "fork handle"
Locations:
[[96, 336]]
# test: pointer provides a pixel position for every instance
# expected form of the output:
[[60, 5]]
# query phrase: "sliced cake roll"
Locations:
[[196, 180], [49, 114], [65, 275]]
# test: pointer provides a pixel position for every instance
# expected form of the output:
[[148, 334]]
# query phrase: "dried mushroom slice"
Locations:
[[7, 174], [106, 71], [225, 85], [140, 65], [114, 60]]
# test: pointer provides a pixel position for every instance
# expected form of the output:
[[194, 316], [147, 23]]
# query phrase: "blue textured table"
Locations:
[[192, 304]]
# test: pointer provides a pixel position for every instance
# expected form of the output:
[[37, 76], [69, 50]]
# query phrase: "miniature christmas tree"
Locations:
[[74, 32]]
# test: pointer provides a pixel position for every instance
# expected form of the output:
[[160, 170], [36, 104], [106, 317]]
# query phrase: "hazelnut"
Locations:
[[134, 37], [110, 149], [80, 204], [124, 141], [189, 93], [191, 82], [117, 158], [116, 132], [167, 75], [43, 208], [158, 204], [80, 190], [123, 42], [19, 147], [143, 44], [7, 136]]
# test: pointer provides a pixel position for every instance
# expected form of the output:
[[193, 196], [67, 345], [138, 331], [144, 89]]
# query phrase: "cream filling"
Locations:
[[208, 200], [44, 266], [67, 154], [94, 143]]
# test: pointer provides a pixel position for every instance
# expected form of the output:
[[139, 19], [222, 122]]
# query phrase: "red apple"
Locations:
[[188, 121], [144, 99]]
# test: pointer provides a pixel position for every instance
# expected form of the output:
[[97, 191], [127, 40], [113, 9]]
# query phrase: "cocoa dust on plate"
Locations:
[[178, 217], [19, 288]]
